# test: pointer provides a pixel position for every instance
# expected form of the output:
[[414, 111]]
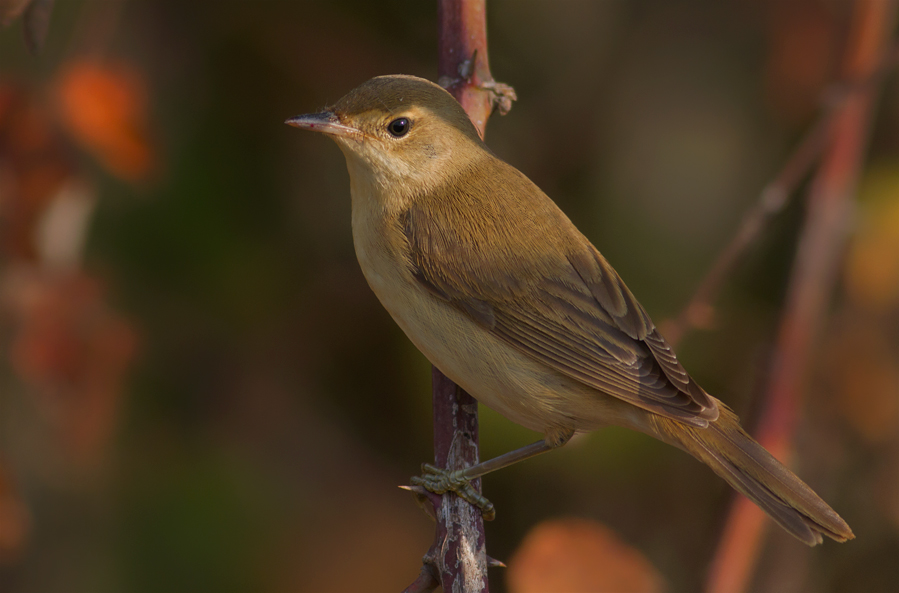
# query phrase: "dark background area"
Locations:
[[206, 396]]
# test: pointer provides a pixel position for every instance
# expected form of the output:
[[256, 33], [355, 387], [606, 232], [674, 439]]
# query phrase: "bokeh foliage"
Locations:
[[250, 407]]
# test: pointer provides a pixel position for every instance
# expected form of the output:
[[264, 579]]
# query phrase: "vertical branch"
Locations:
[[462, 56], [457, 559], [462, 562], [814, 275], [459, 551], [773, 199]]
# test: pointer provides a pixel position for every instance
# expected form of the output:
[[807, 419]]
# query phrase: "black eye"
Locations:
[[399, 127]]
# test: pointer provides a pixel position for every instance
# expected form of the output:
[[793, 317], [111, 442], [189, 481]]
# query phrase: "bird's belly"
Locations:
[[497, 375]]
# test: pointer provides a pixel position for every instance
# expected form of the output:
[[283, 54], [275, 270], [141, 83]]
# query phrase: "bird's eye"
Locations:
[[399, 127]]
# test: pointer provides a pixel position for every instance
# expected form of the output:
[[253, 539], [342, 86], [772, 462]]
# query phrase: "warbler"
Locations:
[[500, 291]]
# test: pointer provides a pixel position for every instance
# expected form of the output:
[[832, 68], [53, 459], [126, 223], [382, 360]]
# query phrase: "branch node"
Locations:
[[502, 95]]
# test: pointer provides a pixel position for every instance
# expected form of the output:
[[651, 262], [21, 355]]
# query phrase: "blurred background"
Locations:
[[198, 391]]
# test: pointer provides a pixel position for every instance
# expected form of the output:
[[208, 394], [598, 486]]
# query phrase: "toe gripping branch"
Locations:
[[441, 481]]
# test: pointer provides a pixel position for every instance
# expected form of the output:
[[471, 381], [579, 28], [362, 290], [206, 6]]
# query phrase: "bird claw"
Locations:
[[441, 481]]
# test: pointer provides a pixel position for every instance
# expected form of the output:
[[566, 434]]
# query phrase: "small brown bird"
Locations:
[[500, 291]]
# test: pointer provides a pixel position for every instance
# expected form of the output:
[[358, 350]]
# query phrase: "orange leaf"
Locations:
[[579, 555], [105, 108]]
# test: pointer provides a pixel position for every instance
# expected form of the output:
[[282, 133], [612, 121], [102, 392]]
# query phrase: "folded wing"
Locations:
[[567, 309]]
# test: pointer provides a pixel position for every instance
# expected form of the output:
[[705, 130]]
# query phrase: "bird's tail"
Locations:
[[735, 456]]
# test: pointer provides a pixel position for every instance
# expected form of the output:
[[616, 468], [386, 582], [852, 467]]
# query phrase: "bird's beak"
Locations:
[[325, 122]]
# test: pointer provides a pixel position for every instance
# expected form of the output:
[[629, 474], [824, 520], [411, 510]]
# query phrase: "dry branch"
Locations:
[[814, 276], [774, 198], [457, 559]]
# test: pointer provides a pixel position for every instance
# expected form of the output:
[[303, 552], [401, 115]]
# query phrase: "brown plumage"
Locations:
[[496, 286]]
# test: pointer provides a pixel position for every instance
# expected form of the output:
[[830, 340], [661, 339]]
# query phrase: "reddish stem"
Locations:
[[814, 276], [462, 56], [457, 558], [698, 312]]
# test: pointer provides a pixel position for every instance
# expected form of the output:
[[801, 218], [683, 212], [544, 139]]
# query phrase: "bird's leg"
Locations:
[[440, 481]]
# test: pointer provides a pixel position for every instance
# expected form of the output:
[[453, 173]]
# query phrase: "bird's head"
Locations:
[[398, 132]]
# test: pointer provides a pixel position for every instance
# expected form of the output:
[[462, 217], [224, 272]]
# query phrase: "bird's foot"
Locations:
[[441, 481]]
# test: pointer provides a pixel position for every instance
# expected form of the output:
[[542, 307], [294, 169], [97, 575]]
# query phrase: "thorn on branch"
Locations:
[[465, 70], [424, 500]]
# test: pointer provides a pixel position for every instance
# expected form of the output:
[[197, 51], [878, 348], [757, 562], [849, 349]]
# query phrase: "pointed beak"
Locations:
[[325, 122]]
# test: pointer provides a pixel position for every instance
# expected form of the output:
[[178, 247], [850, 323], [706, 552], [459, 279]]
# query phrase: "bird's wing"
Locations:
[[570, 311]]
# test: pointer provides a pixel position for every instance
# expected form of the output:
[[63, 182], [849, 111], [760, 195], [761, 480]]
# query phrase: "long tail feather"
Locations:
[[732, 454]]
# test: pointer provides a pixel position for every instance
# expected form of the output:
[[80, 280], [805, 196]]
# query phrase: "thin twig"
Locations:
[[773, 199], [814, 276]]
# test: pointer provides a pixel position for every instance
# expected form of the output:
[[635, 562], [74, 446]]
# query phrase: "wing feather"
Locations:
[[570, 310]]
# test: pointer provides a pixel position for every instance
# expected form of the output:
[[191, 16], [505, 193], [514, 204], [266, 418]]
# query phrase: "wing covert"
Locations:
[[568, 310]]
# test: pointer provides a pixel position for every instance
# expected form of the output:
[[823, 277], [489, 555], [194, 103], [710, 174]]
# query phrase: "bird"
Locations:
[[494, 284]]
